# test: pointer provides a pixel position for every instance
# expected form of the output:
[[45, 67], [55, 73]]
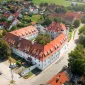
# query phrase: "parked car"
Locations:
[[0, 73], [13, 65]]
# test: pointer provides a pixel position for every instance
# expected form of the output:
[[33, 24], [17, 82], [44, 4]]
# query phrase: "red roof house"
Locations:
[[58, 79]]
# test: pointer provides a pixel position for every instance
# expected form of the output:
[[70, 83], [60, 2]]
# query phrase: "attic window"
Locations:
[[64, 39], [48, 52], [61, 42], [29, 32], [37, 53], [28, 49], [18, 45], [45, 53], [57, 45], [22, 34], [34, 51], [51, 50]]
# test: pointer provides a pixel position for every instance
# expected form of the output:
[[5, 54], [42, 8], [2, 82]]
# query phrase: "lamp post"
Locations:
[[11, 71]]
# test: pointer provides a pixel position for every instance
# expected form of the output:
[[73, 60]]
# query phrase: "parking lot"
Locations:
[[5, 78]]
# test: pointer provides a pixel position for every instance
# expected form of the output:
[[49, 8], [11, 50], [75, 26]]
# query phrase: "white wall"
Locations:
[[25, 56], [50, 59], [45, 63]]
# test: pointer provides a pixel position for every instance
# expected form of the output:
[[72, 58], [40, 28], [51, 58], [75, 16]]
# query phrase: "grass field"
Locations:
[[2, 0], [58, 2]]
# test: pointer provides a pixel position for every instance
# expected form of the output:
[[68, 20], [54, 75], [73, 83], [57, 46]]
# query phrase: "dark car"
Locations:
[[0, 73]]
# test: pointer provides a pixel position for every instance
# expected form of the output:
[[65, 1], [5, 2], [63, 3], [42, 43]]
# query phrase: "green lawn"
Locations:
[[34, 18], [58, 2], [2, 0]]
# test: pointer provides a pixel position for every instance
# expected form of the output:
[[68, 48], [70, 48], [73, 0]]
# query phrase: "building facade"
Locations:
[[21, 42]]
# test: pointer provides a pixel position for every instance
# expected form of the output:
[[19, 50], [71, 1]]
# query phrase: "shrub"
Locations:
[[82, 30], [18, 63], [76, 23]]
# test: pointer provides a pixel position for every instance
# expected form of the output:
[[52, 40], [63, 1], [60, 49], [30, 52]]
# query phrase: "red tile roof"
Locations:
[[56, 27], [68, 15], [16, 39], [25, 31], [58, 79], [36, 50]]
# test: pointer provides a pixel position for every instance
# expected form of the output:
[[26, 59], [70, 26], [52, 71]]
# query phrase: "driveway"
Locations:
[[6, 74]]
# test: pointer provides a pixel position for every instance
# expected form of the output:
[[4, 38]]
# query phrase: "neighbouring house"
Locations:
[[11, 17], [68, 17], [23, 44], [33, 10], [55, 28], [13, 23], [59, 79], [40, 28]]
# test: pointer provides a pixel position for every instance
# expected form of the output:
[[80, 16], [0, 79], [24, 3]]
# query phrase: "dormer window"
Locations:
[[18, 45], [51, 50], [37, 53], [48, 52], [64, 38], [57, 45], [22, 34], [61, 41], [34, 51], [28, 49], [45, 54]]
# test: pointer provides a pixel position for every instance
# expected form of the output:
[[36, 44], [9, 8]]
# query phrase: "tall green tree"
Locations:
[[5, 50], [43, 39], [82, 30], [76, 23], [82, 40], [77, 60]]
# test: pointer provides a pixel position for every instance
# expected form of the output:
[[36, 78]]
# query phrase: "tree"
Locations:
[[83, 19], [41, 4], [77, 60], [47, 22], [5, 50], [43, 38], [3, 19], [76, 23], [57, 20], [82, 40], [45, 4], [60, 9], [82, 30]]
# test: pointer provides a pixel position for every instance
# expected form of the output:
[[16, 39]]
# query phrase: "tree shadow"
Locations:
[[76, 41], [2, 59]]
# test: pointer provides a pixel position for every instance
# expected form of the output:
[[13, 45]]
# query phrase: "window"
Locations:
[[18, 45], [34, 51], [51, 50], [45, 53]]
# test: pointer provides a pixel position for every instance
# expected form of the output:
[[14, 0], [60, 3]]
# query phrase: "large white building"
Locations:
[[23, 46]]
